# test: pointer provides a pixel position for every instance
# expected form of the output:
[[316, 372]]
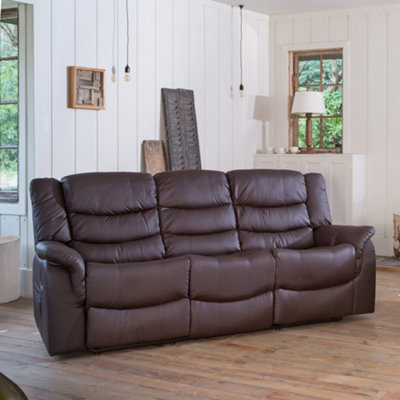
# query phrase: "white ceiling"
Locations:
[[272, 7]]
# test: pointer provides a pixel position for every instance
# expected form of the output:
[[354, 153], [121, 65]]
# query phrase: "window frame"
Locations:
[[19, 207], [294, 86], [283, 54]]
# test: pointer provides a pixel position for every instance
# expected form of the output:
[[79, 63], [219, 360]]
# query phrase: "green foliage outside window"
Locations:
[[8, 107], [321, 72]]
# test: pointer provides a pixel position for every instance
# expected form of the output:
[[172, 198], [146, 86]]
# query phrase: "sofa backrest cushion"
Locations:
[[196, 213], [317, 200], [271, 209], [48, 210], [113, 216]]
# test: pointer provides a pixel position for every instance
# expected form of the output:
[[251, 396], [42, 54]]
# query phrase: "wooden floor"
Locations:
[[356, 358]]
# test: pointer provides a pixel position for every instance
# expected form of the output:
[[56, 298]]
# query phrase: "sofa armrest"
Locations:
[[59, 253], [332, 235]]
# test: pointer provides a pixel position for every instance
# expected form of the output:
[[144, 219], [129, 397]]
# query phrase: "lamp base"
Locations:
[[309, 132]]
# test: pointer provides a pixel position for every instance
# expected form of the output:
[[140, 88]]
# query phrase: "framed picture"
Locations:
[[86, 88]]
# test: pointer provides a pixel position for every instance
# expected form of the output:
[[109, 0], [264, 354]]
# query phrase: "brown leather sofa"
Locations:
[[125, 258]]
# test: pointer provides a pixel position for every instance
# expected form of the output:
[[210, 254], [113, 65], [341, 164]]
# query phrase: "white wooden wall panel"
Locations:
[[129, 138], [164, 56], [197, 68], [358, 25], [107, 120], [10, 225], [225, 86], [393, 121], [86, 55], [43, 98], [302, 30], [252, 136], [212, 106], [181, 43], [63, 55], [320, 28], [377, 120], [338, 28]]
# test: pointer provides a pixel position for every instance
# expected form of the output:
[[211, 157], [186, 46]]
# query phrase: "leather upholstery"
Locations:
[[271, 209], [125, 258], [123, 205], [48, 211], [196, 213], [333, 235], [223, 286], [135, 285], [316, 268], [317, 200], [60, 254]]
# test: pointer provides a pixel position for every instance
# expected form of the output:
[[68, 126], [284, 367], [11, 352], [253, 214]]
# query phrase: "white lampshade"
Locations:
[[308, 103]]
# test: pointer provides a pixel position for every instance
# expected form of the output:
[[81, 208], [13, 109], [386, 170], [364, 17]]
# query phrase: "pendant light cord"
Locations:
[[114, 27], [127, 33], [241, 46]]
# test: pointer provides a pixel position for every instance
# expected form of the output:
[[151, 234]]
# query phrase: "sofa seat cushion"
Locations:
[[115, 328], [136, 285], [314, 284], [232, 277], [316, 268], [231, 293]]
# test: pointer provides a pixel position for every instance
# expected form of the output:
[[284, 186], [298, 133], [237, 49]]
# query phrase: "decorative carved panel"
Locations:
[[181, 129]]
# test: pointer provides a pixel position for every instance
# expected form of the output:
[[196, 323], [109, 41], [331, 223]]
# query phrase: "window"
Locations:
[[320, 70], [9, 106]]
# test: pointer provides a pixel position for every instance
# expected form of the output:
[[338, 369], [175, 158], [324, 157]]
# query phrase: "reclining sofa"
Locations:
[[126, 258]]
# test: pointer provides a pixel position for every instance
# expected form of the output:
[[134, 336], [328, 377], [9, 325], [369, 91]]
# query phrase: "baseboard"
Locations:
[[25, 283]]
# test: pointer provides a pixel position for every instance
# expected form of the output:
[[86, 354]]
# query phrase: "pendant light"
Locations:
[[241, 86], [127, 75]]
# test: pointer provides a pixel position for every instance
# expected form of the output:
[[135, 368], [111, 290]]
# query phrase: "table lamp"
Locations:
[[308, 103]]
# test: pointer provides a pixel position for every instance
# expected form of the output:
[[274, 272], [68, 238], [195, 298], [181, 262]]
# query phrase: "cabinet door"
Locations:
[[266, 161]]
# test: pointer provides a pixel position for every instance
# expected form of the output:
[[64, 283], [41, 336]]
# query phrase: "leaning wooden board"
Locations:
[[181, 129]]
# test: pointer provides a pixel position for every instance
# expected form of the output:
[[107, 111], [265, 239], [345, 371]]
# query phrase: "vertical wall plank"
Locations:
[[43, 98], [377, 120], [393, 107], [225, 99], [23, 232], [197, 73], [86, 55], [107, 120], [338, 27], [146, 72], [181, 44], [128, 140], [283, 31], [164, 55], [302, 30], [320, 28], [239, 103], [10, 225], [211, 45], [358, 79], [253, 126], [63, 55]]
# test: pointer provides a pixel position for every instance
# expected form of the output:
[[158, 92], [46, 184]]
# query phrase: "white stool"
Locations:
[[9, 268]]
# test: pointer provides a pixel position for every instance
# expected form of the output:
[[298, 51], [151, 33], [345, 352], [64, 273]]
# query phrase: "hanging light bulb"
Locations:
[[113, 75], [241, 86], [127, 75]]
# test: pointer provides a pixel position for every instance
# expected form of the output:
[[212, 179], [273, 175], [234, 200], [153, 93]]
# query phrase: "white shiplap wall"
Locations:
[[374, 102], [173, 43]]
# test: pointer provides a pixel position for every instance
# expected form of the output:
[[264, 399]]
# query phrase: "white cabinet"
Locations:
[[345, 176]]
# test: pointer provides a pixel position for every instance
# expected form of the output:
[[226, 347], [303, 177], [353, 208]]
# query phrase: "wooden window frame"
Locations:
[[294, 56]]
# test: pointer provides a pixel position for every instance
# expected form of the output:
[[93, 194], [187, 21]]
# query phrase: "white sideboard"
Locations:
[[345, 176]]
